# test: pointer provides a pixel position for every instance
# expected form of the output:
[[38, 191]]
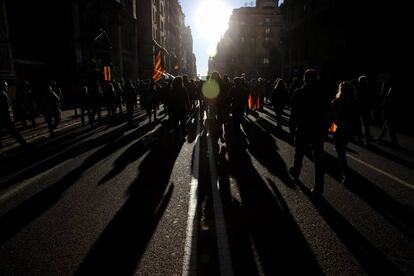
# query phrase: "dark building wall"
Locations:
[[346, 39], [342, 38], [6, 58], [71, 41]]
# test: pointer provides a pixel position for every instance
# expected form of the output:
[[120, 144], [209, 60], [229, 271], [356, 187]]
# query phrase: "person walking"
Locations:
[[6, 116], [345, 123], [279, 100], [179, 106], [390, 114], [308, 125], [52, 108]]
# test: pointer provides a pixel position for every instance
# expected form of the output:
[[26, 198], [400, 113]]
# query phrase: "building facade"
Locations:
[[251, 43], [162, 28], [70, 42], [6, 58]]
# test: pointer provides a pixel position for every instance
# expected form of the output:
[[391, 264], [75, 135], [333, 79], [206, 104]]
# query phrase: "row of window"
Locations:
[[253, 40], [267, 21]]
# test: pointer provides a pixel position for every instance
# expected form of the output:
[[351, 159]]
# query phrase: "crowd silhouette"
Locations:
[[314, 110]]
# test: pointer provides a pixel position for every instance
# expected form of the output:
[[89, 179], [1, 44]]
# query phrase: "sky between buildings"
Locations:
[[202, 43], [204, 39]]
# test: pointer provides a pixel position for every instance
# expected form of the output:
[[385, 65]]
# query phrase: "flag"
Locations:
[[158, 71], [333, 128], [250, 102]]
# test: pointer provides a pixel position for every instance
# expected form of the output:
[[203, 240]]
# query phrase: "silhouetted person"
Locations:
[[238, 99], [84, 103], [389, 109], [279, 100], [179, 106], [130, 98], [346, 123], [59, 93], [295, 84], [365, 104], [6, 115], [309, 125], [110, 99], [52, 108], [150, 100], [216, 104], [96, 100], [119, 94], [26, 104]]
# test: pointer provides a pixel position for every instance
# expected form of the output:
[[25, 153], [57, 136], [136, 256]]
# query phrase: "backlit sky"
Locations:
[[201, 43]]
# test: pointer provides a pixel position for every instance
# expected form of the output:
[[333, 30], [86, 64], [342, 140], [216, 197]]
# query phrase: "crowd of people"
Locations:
[[346, 112]]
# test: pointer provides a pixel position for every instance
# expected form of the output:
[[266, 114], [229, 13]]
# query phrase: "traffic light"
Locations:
[[107, 73]]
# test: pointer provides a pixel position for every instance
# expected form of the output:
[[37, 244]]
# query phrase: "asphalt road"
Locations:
[[120, 200]]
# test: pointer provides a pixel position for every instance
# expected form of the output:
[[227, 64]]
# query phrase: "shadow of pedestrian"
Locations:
[[124, 240], [264, 238], [191, 127], [277, 132], [392, 210], [264, 148], [371, 259], [49, 155], [17, 218], [135, 151], [390, 156]]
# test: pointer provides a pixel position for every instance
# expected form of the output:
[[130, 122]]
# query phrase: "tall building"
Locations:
[[162, 28], [251, 43], [70, 42], [189, 60], [6, 58]]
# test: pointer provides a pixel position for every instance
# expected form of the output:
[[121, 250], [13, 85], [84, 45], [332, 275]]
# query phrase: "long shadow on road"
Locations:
[[264, 238], [371, 259], [17, 218], [264, 149], [121, 245], [397, 214], [55, 152]]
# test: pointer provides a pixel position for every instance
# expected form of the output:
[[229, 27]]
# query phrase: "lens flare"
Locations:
[[210, 89]]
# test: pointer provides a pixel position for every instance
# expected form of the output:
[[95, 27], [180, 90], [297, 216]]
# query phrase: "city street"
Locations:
[[121, 200]]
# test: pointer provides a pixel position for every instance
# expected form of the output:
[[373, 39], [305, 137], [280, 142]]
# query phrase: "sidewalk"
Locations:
[[39, 132]]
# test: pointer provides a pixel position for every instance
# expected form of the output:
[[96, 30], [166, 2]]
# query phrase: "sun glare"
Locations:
[[212, 21]]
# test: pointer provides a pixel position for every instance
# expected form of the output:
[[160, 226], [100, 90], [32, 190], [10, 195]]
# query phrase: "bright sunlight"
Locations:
[[212, 21]]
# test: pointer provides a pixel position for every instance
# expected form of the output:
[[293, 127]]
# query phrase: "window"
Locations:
[[267, 20], [266, 60], [267, 39], [267, 30]]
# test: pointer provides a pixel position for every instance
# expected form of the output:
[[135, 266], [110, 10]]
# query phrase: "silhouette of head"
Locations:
[[363, 79], [345, 90], [215, 76], [177, 82], [3, 85], [310, 77]]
